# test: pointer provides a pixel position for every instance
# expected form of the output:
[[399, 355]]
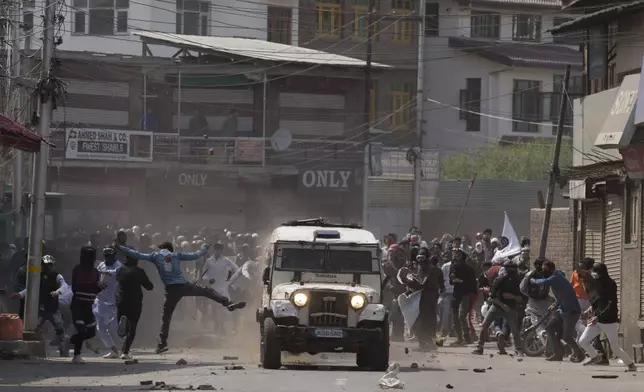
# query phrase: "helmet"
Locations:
[[48, 259]]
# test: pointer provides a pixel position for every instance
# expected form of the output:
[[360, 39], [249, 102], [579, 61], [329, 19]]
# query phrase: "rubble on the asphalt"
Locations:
[[182, 362], [234, 367], [229, 358], [390, 380], [478, 370], [449, 386], [605, 376]]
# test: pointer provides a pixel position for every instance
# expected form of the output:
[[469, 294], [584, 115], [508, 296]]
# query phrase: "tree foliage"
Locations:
[[527, 161]]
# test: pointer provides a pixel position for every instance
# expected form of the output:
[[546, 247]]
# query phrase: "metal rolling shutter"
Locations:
[[642, 269], [593, 230], [613, 239]]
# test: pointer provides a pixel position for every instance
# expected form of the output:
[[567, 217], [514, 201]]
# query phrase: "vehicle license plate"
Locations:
[[329, 333]]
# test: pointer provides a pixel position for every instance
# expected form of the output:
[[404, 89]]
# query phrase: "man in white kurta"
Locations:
[[217, 271], [104, 308]]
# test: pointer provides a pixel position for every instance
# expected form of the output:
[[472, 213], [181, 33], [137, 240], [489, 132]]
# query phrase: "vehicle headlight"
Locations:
[[300, 299], [358, 301]]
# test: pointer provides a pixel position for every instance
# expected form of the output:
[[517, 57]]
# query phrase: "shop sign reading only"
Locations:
[[333, 179]]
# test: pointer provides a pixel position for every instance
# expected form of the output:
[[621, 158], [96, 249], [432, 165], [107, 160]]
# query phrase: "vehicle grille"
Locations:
[[328, 309]]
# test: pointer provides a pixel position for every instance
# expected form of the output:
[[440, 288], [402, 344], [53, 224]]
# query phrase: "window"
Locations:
[[470, 103], [329, 15], [373, 105], [431, 19], [526, 28], [526, 105], [359, 11], [631, 218], [193, 17], [401, 96], [403, 28], [485, 24], [27, 26], [279, 25], [100, 17]]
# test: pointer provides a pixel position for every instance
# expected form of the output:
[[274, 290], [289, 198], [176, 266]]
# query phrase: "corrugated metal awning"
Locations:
[[618, 127], [594, 18], [253, 48]]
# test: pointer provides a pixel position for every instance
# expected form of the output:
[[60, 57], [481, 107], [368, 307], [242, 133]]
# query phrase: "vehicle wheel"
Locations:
[[270, 349], [532, 344], [376, 356]]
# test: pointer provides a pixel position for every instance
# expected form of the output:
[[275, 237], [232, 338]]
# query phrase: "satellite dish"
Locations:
[[281, 140]]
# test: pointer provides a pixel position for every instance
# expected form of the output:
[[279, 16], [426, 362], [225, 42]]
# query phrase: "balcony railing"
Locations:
[[227, 151]]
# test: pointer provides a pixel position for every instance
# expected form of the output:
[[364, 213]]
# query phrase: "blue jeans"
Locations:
[[445, 306]]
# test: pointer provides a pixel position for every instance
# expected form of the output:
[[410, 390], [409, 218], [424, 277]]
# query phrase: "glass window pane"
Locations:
[[101, 4], [205, 7], [30, 3], [121, 22], [204, 25], [191, 23], [79, 22], [101, 21], [122, 3], [28, 21], [178, 29], [80, 3], [191, 5]]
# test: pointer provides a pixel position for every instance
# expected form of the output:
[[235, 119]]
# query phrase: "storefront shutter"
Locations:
[[613, 239], [642, 268], [593, 230]]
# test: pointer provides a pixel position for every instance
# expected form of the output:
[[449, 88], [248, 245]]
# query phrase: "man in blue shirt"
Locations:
[[568, 312], [168, 263]]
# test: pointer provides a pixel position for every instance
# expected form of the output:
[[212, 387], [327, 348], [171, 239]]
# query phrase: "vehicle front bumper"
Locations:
[[304, 338]]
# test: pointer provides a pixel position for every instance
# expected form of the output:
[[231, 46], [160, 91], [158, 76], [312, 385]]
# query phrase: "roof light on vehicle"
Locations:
[[300, 299], [358, 301]]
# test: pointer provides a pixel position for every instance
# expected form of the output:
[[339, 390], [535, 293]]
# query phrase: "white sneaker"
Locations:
[[111, 355], [78, 360], [126, 356]]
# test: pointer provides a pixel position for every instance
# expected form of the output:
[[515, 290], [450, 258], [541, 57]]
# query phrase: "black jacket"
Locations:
[[130, 279], [506, 284], [605, 304], [466, 273]]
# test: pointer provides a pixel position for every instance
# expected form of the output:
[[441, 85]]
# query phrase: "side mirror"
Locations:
[[266, 275]]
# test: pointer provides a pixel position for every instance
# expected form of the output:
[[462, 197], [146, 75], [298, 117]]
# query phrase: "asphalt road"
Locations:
[[436, 372]]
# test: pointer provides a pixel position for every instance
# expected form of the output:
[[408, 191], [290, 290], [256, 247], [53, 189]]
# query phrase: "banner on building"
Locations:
[[249, 150], [108, 145]]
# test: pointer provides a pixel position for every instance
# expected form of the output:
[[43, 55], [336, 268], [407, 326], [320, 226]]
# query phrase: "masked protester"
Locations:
[[463, 277], [604, 318], [52, 285], [104, 308], [168, 263], [562, 326], [129, 301], [85, 286], [429, 279], [505, 298]]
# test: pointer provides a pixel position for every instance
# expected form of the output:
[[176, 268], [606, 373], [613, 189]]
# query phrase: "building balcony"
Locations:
[[154, 149]]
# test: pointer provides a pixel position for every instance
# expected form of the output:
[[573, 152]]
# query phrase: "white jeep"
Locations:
[[322, 293]]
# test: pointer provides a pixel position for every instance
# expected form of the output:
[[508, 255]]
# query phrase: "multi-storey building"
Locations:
[[496, 58], [231, 114], [605, 183]]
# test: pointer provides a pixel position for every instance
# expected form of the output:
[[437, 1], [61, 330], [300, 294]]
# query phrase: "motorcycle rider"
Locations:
[[539, 299]]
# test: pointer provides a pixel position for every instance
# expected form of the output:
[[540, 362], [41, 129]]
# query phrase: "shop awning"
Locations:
[[604, 15], [15, 135], [618, 127]]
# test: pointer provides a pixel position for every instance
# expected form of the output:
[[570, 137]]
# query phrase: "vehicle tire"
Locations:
[[532, 344], [376, 356], [270, 349]]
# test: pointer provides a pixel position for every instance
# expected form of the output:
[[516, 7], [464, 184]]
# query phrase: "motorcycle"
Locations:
[[533, 333]]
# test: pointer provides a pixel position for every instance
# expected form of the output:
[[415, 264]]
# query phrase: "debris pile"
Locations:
[[390, 379]]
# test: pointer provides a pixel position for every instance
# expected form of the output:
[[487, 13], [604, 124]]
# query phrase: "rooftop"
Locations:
[[598, 17], [520, 54], [253, 48], [537, 3]]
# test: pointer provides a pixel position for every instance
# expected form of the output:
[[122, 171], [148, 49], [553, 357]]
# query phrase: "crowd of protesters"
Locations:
[[474, 292]]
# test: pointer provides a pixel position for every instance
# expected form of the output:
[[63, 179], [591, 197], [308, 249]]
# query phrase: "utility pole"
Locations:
[[420, 99], [368, 83], [14, 59], [554, 169], [37, 218]]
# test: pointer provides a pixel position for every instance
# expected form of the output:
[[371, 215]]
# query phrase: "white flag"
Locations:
[[514, 247]]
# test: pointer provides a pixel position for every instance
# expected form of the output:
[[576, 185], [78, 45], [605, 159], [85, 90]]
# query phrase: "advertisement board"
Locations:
[[108, 144]]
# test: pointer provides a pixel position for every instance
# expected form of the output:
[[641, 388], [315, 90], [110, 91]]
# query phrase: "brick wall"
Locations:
[[560, 237]]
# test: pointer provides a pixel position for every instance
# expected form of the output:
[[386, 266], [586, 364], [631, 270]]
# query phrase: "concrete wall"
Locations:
[[227, 18], [560, 239]]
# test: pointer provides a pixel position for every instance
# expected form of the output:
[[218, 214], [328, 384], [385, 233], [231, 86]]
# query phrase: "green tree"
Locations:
[[527, 161]]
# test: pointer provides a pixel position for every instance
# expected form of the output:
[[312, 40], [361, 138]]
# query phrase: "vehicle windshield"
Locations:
[[327, 260]]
